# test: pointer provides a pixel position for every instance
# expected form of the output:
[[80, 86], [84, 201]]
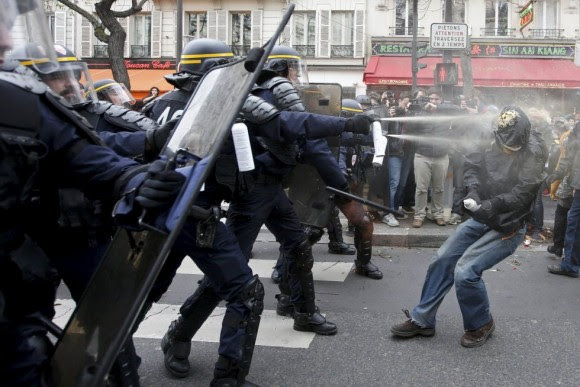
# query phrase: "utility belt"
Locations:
[[208, 220]]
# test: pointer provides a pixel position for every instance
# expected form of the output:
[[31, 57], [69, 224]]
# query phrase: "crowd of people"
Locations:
[[74, 153]]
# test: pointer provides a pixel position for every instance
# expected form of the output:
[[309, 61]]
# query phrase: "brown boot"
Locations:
[[477, 338], [411, 329], [417, 223]]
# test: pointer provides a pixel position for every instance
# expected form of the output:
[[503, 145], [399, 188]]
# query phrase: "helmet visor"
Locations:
[[297, 70], [116, 93], [72, 81], [29, 28]]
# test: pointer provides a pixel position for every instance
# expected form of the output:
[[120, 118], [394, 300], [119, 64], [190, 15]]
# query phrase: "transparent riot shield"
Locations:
[[306, 188], [104, 317]]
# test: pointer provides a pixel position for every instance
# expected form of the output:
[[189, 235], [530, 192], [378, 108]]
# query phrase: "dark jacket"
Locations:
[[509, 182], [570, 163], [436, 129]]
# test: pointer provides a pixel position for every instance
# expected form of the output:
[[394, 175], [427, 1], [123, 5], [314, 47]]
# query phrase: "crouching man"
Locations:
[[502, 182]]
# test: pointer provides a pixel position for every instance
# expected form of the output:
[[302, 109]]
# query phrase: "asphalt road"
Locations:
[[536, 341]]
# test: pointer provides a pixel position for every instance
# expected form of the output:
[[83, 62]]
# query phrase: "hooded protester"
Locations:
[[502, 182]]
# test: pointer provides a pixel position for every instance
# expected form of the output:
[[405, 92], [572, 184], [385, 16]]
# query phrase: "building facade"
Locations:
[[360, 44]]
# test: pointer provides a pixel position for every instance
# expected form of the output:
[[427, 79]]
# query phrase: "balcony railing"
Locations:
[[306, 50], [100, 51], [341, 51], [406, 31], [546, 33], [498, 32], [140, 51], [240, 50]]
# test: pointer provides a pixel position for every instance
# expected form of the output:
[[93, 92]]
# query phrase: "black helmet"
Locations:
[[350, 108], [199, 55], [287, 62], [114, 92], [513, 129]]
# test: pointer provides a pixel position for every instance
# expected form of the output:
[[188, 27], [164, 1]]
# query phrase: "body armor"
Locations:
[[118, 116], [168, 106], [285, 95]]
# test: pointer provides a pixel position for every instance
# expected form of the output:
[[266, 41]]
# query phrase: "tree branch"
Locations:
[[98, 26], [135, 8]]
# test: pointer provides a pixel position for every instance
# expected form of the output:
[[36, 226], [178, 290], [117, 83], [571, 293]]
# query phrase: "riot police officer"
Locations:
[[39, 133], [114, 92]]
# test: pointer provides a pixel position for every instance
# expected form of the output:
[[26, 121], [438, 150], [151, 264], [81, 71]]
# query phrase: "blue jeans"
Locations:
[[571, 261], [471, 249], [395, 163]]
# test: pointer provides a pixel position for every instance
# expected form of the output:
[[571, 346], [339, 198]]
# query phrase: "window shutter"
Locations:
[[156, 34], [86, 38], [359, 32], [222, 25], [212, 24], [257, 28], [124, 22], [323, 32], [60, 28]]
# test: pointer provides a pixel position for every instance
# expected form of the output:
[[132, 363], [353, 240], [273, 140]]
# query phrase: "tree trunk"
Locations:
[[116, 43]]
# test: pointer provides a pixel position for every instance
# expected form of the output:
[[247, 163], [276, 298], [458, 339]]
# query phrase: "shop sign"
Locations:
[[130, 64], [508, 50], [526, 14]]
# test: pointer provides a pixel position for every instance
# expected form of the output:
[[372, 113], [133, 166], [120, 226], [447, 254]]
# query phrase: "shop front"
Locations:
[[542, 75]]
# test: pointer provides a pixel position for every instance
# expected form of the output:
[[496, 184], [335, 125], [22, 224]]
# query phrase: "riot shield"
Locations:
[[104, 317], [306, 188]]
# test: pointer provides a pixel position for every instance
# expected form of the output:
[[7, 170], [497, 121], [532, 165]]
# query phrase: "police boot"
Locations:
[[336, 244], [284, 306], [176, 344], [305, 321], [227, 374], [363, 264], [124, 370]]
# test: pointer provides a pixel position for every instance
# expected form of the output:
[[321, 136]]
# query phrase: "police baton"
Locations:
[[363, 201]]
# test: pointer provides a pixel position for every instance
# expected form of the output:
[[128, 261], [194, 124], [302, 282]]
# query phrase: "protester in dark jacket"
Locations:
[[502, 183]]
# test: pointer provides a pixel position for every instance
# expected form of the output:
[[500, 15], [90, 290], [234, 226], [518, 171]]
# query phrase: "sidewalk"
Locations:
[[431, 235]]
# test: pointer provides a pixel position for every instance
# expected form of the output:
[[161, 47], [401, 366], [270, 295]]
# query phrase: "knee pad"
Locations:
[[314, 234], [252, 295], [302, 257]]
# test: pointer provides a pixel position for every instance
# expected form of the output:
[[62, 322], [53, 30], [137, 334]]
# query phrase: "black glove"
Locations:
[[160, 186], [156, 138], [359, 124]]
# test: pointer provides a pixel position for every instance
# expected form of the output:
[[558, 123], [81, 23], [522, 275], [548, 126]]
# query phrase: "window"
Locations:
[[51, 21], [458, 11], [304, 32], [141, 37], [197, 27], [546, 16], [497, 18], [341, 35], [241, 32], [404, 17]]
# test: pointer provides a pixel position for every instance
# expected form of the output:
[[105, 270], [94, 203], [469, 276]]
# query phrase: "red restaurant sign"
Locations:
[[526, 14]]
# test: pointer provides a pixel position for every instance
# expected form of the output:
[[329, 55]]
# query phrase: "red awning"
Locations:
[[487, 72]]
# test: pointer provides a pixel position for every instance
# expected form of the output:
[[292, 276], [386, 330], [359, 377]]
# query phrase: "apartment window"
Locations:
[[141, 37], [497, 16], [304, 32], [342, 34], [241, 32], [51, 20], [458, 11], [404, 17], [546, 16], [197, 25]]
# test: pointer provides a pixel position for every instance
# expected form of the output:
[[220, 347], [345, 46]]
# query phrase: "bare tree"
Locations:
[[108, 30]]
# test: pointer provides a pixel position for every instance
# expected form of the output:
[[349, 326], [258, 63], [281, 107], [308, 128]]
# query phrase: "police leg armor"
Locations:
[[336, 244], [176, 344], [233, 372], [363, 235], [306, 315]]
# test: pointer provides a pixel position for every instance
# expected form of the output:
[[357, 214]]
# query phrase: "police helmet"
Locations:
[[200, 55], [287, 62], [513, 129], [364, 100], [29, 13], [70, 79], [113, 92], [350, 107]]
